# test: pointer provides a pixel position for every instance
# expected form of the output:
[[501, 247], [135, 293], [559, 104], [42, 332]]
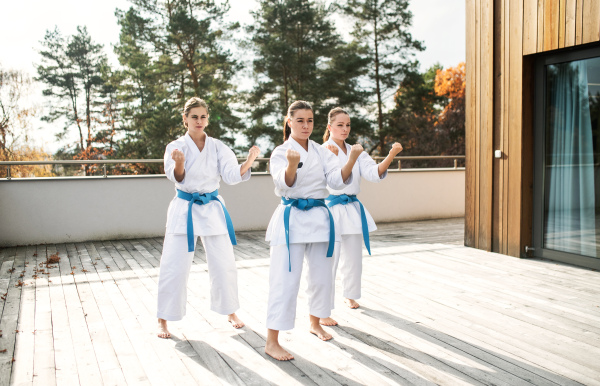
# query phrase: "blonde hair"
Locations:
[[331, 117], [191, 103], [298, 105]]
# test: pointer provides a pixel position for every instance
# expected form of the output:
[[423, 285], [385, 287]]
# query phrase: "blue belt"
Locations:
[[346, 199], [202, 199], [305, 204]]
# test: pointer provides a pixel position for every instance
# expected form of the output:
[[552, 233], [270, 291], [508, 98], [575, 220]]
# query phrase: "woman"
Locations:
[[196, 163], [353, 222], [301, 226]]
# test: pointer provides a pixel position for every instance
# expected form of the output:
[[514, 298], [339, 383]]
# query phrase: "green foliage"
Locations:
[[299, 55], [72, 73], [381, 30], [414, 115], [171, 51]]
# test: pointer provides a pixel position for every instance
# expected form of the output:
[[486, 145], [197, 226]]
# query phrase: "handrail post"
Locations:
[[399, 164], [104, 167], [8, 172], [455, 163], [269, 166]]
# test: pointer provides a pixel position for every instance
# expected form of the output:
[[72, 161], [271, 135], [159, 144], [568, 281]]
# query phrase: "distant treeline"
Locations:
[[169, 51]]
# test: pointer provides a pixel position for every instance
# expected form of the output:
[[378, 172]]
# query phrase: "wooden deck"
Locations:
[[432, 312]]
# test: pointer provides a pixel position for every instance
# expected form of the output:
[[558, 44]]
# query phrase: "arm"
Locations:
[[293, 158], [385, 164], [229, 168], [355, 151], [174, 163], [179, 170], [252, 154]]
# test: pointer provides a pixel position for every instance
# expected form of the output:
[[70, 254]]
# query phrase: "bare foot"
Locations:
[[235, 321], [328, 322], [351, 303], [162, 329], [319, 332], [274, 350]]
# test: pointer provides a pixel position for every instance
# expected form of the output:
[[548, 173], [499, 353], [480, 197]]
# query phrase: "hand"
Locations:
[[178, 156], [396, 148], [333, 149], [293, 157], [253, 153], [355, 151]]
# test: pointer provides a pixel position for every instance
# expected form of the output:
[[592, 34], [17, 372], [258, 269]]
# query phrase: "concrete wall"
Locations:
[[55, 210]]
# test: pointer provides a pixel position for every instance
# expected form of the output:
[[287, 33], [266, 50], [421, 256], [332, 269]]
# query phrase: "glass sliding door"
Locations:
[[567, 144]]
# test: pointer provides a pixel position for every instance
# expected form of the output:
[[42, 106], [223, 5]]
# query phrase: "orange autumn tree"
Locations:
[[450, 124]]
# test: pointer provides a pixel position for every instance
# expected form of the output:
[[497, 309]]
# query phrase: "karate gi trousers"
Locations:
[[175, 265], [348, 256], [284, 285]]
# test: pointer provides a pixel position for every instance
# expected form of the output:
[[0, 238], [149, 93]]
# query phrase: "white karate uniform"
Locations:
[[309, 234], [203, 172], [348, 223]]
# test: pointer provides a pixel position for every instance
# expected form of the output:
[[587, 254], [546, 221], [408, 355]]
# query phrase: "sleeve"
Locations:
[[229, 168], [170, 164], [277, 165], [332, 169], [369, 169]]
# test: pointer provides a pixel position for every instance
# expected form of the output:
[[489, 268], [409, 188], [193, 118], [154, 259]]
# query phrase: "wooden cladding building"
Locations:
[[506, 39]]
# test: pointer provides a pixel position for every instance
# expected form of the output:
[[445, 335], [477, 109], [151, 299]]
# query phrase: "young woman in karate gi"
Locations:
[[196, 163], [302, 226], [352, 221]]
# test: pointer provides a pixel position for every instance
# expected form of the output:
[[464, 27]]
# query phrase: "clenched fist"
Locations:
[[355, 151], [253, 153], [293, 157], [333, 149], [396, 148], [177, 156]]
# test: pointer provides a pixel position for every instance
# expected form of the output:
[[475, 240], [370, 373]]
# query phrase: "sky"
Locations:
[[24, 23]]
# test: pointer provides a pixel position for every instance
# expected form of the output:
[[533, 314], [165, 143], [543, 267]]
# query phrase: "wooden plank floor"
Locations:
[[432, 312]]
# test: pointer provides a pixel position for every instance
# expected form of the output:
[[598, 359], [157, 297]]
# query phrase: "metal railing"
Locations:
[[105, 174]]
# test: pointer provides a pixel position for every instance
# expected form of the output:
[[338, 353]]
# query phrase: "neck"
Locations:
[[340, 143], [302, 142], [198, 137]]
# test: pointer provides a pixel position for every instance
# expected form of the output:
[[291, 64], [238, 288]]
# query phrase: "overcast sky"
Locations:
[[440, 24]]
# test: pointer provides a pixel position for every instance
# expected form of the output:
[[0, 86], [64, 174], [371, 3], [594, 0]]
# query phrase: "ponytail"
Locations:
[[326, 135], [287, 130]]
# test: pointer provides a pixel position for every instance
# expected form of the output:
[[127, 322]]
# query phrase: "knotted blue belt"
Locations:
[[345, 199], [305, 204], [202, 199]]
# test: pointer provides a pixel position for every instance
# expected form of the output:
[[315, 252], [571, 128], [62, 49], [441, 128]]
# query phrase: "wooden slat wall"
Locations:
[[500, 35], [515, 127], [470, 180], [487, 125]]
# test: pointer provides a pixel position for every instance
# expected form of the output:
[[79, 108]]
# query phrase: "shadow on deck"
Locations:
[[432, 312]]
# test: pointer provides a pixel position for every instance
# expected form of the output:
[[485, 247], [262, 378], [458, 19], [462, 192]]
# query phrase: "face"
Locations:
[[301, 124], [196, 120], [339, 129]]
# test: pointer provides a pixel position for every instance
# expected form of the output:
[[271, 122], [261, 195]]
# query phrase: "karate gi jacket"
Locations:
[[203, 172], [347, 217], [320, 168]]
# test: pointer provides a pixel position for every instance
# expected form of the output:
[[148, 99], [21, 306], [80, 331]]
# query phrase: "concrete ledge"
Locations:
[[52, 210]]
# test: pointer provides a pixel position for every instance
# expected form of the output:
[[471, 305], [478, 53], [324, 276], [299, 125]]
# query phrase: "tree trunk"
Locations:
[[285, 90], [378, 89]]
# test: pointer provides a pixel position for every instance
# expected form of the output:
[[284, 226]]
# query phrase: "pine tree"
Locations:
[[171, 51], [71, 70], [381, 28], [299, 55]]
